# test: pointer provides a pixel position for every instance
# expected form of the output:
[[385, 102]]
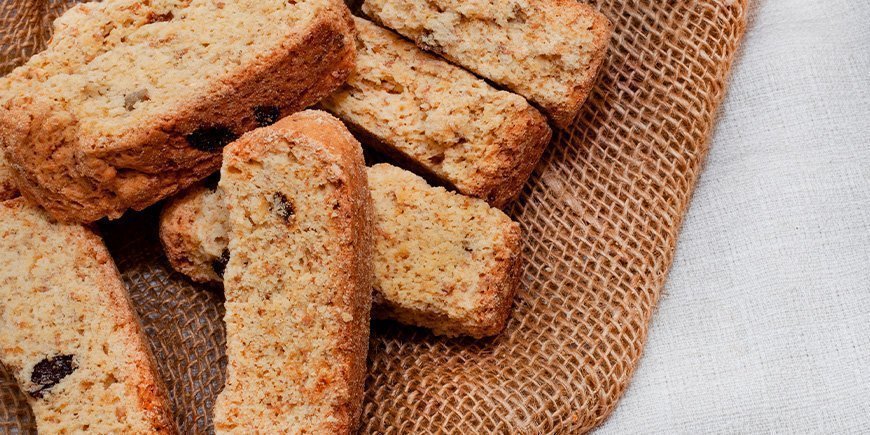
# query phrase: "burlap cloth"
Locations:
[[601, 216]]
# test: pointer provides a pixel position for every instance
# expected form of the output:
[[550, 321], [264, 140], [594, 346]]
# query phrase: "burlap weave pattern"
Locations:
[[601, 216]]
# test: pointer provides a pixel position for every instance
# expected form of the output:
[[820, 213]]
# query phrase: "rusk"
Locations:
[[68, 331], [132, 101], [298, 281]]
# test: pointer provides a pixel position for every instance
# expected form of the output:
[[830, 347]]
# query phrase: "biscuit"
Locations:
[[132, 101], [298, 281], [68, 331], [438, 118]]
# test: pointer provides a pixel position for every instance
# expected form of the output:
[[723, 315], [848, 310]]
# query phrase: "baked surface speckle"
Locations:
[[298, 281], [548, 51], [132, 101], [68, 331]]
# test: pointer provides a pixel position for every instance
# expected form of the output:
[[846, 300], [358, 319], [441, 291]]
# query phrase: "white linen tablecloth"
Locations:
[[764, 325]]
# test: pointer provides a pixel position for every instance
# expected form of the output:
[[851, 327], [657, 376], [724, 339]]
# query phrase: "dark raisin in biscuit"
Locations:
[[212, 138], [266, 115], [48, 372]]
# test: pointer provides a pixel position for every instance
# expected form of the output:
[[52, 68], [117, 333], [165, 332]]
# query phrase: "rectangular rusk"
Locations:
[[298, 281], [548, 51], [132, 101], [68, 331]]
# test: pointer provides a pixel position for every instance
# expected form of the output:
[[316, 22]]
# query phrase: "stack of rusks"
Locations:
[[246, 117]]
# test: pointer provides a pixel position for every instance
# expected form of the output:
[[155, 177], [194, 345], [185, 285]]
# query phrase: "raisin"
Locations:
[[132, 98], [266, 115], [49, 372], [282, 206], [220, 265], [211, 182], [211, 138]]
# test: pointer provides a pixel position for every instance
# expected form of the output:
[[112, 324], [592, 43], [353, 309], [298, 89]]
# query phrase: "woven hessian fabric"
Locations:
[[601, 216]]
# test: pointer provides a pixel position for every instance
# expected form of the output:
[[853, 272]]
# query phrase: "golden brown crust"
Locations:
[[83, 178], [500, 286], [524, 141], [153, 400], [152, 392], [325, 139]]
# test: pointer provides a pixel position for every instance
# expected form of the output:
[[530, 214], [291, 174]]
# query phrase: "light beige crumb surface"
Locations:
[[298, 281], [442, 260], [442, 119], [546, 50], [69, 333]]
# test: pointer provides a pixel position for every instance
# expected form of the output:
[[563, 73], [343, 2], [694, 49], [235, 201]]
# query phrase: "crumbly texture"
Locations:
[[298, 281], [442, 261], [68, 331], [439, 118], [132, 101], [548, 51], [8, 189]]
